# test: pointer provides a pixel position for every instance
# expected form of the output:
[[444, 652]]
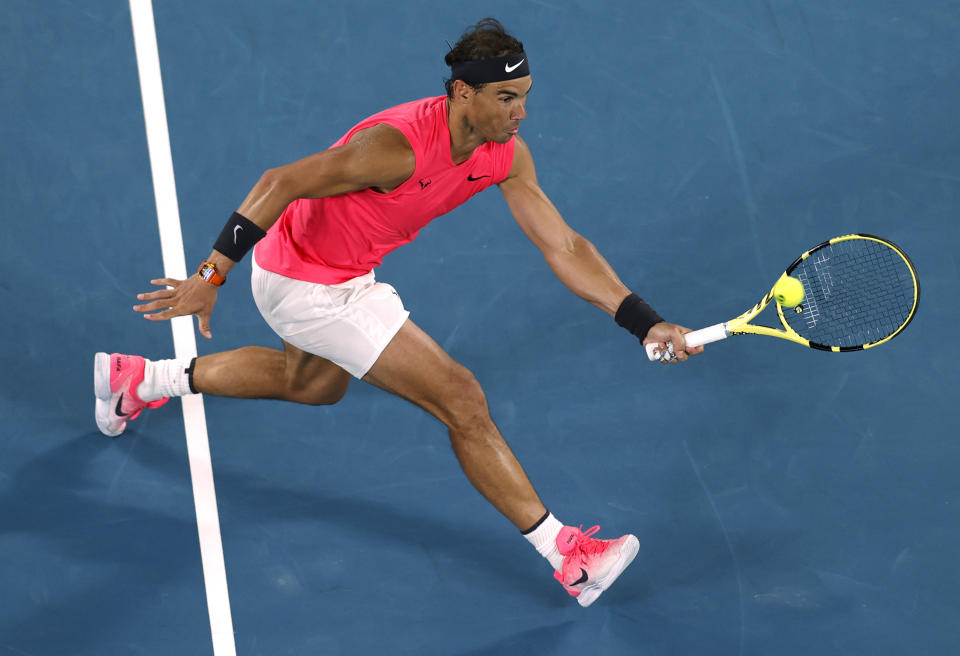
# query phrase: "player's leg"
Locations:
[[256, 372], [126, 384], [414, 367]]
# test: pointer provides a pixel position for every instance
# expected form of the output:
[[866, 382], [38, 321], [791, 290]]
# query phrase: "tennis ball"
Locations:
[[788, 291]]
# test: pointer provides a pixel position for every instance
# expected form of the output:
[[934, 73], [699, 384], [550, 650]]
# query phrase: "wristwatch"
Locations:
[[208, 273]]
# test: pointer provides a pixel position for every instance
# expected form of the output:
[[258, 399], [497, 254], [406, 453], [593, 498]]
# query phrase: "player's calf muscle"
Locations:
[[315, 392], [255, 372], [248, 372]]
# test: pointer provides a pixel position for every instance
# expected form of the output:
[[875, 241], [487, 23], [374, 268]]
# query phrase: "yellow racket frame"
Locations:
[[741, 325]]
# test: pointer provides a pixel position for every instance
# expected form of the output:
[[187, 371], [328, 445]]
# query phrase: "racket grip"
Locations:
[[696, 338]]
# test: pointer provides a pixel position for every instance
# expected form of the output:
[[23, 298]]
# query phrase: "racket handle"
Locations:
[[696, 338]]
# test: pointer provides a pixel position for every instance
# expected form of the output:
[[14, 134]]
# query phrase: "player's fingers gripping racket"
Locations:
[[850, 293]]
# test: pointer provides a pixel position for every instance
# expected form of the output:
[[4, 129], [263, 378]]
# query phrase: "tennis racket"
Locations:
[[860, 291]]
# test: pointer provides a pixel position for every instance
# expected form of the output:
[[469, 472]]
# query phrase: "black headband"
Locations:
[[498, 69]]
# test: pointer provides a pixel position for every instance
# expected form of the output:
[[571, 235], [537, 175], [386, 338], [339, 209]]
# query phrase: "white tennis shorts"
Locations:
[[349, 323]]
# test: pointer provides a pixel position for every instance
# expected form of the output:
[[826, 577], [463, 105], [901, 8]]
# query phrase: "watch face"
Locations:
[[208, 273]]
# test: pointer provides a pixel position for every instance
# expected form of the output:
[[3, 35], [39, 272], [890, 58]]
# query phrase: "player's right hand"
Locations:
[[664, 332], [190, 296]]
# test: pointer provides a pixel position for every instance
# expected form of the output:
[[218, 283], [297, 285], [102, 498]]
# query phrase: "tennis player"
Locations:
[[323, 224]]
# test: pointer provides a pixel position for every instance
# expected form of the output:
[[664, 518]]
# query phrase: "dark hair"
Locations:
[[487, 39]]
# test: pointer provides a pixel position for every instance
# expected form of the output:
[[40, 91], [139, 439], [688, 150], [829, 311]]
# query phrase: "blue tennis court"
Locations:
[[787, 501]]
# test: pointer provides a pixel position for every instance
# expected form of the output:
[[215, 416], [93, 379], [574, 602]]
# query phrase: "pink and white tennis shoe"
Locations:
[[115, 381], [590, 566]]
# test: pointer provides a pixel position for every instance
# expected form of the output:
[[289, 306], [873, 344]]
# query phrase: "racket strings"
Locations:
[[856, 292]]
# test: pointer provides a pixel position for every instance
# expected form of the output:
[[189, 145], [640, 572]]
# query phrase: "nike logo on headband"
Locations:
[[510, 69]]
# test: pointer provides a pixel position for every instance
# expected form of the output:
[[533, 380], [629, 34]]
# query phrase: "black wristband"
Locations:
[[238, 237], [636, 316]]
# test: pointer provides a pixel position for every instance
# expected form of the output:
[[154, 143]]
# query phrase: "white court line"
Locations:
[[184, 341]]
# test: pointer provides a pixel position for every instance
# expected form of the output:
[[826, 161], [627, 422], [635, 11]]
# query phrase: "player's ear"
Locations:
[[462, 92]]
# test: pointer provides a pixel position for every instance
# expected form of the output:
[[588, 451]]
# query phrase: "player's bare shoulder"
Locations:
[[380, 156]]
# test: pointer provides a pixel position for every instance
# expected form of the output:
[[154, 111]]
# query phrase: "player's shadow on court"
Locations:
[[540, 640], [265, 501], [673, 554]]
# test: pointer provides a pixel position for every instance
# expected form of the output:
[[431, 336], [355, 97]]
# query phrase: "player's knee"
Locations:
[[466, 403]]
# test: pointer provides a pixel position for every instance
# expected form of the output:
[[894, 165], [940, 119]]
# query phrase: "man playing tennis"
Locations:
[[322, 224]]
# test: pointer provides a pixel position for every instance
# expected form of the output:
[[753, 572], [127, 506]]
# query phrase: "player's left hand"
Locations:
[[179, 298], [663, 332]]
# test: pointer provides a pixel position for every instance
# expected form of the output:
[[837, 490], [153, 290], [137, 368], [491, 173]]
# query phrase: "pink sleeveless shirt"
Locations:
[[334, 239]]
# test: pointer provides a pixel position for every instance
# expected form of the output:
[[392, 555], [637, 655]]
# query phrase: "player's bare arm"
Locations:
[[379, 157], [571, 257]]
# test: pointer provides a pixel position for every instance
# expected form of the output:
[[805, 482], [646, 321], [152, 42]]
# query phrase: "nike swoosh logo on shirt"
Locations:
[[473, 179], [510, 69]]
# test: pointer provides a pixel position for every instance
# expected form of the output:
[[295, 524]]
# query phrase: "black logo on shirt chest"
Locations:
[[426, 182]]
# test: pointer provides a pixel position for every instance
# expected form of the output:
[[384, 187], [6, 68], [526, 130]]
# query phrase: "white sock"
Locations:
[[544, 540], [165, 378]]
